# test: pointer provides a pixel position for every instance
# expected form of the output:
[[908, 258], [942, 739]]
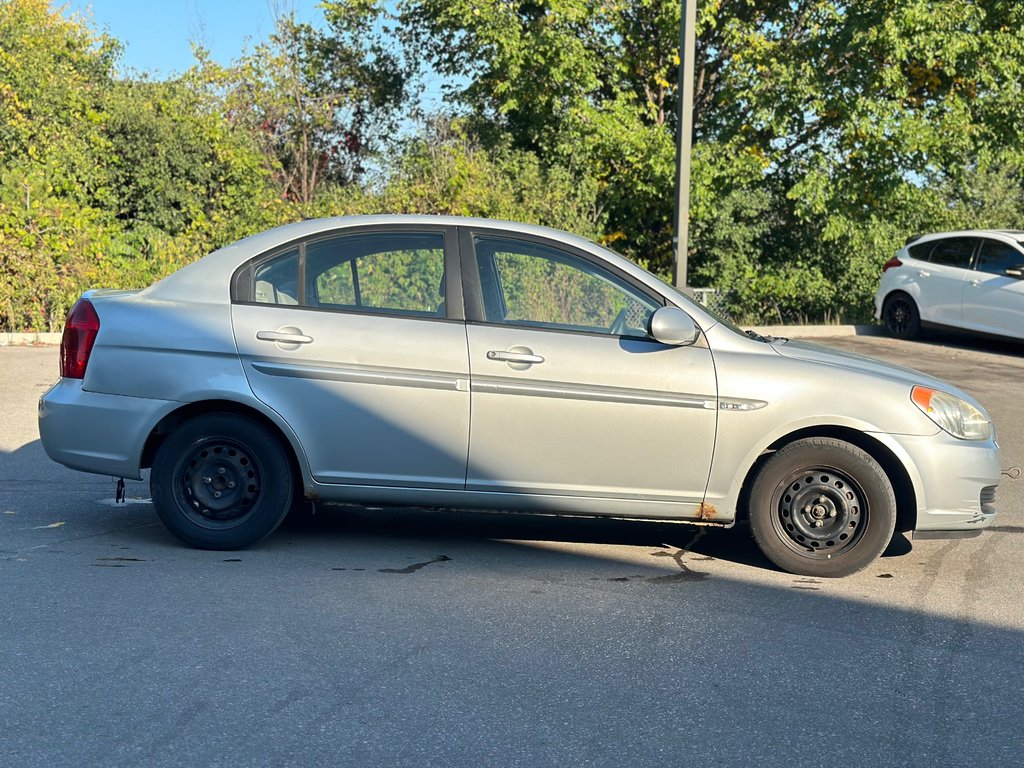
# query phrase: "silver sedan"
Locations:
[[451, 362]]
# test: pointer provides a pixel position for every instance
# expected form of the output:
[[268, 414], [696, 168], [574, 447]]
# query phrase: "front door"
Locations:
[[993, 299], [569, 395]]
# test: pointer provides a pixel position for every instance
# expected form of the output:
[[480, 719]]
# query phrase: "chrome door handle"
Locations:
[[283, 337], [975, 283], [514, 357], [923, 273]]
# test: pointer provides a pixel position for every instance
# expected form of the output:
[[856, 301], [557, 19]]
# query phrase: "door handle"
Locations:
[[975, 283], [514, 357], [283, 337], [923, 273]]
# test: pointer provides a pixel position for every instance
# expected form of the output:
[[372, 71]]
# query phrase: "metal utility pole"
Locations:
[[687, 44]]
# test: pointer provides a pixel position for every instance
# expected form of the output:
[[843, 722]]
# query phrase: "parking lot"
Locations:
[[401, 638]]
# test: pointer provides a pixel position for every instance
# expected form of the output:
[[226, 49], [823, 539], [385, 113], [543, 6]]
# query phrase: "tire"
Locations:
[[822, 507], [221, 481], [901, 317]]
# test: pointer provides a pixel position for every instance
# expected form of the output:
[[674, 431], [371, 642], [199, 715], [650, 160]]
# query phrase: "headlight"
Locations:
[[956, 416]]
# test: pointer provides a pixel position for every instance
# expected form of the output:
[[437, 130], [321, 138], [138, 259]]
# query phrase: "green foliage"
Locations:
[[583, 84], [106, 182], [446, 171], [825, 133], [815, 123], [316, 102]]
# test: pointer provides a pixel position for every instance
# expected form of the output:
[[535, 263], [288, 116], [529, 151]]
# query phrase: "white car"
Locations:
[[971, 280]]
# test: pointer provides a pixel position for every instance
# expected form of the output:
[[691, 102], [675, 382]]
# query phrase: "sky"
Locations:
[[156, 33]]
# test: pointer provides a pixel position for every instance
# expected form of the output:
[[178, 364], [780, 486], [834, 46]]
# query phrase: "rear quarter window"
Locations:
[[920, 251], [953, 252]]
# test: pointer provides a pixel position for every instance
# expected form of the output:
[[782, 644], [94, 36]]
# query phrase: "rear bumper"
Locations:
[[98, 433]]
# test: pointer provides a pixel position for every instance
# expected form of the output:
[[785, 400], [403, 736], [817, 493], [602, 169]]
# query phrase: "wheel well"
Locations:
[[903, 488], [166, 426], [898, 292]]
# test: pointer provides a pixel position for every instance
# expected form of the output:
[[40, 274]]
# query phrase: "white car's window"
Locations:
[[953, 252], [996, 257], [531, 284], [920, 251]]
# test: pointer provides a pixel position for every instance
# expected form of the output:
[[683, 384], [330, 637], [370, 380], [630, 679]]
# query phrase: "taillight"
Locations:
[[893, 262], [79, 335]]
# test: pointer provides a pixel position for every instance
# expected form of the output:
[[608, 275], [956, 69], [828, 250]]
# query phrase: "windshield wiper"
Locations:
[[766, 339]]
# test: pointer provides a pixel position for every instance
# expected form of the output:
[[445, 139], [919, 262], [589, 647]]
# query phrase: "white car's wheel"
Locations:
[[901, 316]]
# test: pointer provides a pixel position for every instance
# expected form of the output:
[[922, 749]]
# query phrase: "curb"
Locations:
[[819, 331], [787, 331], [29, 339]]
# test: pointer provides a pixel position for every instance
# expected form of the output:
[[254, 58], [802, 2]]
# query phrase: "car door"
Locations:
[[354, 340], [569, 395], [941, 280], [993, 299]]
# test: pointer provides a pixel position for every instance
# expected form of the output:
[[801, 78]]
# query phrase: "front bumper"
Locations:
[[955, 483], [94, 432]]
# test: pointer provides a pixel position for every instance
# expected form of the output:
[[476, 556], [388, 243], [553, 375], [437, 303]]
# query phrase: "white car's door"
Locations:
[[993, 300], [941, 280], [353, 339], [569, 395]]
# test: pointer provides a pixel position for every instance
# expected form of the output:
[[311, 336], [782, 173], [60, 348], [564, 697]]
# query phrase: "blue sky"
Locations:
[[156, 33]]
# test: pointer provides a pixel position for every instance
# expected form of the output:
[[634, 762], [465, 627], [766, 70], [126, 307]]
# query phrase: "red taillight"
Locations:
[[79, 334], [893, 262]]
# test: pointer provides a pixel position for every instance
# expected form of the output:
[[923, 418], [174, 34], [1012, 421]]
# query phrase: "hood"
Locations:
[[815, 353]]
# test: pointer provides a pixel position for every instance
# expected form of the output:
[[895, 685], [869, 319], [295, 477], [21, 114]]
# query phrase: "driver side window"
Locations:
[[529, 284]]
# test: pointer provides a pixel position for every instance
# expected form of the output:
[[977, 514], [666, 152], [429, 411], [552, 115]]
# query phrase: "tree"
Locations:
[[107, 182], [318, 102], [824, 119]]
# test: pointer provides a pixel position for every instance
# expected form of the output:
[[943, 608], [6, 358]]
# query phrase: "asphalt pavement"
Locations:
[[385, 638]]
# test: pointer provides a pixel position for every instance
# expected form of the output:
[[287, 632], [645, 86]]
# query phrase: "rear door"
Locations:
[[569, 395], [993, 301], [357, 339], [941, 280]]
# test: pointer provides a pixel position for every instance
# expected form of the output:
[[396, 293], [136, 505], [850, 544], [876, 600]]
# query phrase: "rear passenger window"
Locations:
[[996, 257], [392, 272], [954, 252]]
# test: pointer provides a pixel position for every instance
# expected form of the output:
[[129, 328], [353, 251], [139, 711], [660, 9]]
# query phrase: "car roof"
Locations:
[[207, 280], [1013, 235]]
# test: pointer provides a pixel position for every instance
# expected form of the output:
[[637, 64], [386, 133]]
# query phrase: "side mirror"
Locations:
[[1017, 271], [670, 325]]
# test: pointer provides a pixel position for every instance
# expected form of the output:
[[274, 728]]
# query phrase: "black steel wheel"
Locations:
[[822, 507], [901, 316], [221, 481]]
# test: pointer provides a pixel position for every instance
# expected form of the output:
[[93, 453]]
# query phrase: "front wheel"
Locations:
[[822, 507], [221, 481]]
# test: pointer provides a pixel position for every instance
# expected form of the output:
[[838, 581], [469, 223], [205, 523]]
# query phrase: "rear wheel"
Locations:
[[221, 481], [822, 507], [901, 317]]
